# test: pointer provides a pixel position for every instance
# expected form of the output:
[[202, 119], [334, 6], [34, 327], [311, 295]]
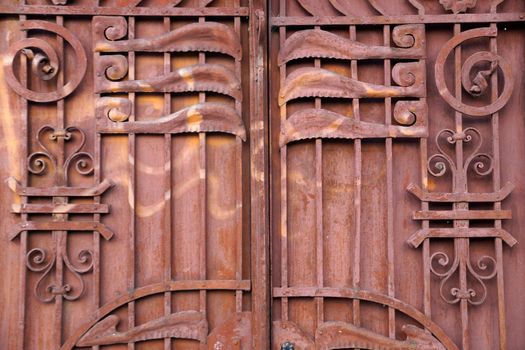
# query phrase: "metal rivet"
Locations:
[[287, 346]]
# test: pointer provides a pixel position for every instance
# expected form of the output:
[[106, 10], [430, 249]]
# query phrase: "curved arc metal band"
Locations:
[[172, 286], [348, 293]]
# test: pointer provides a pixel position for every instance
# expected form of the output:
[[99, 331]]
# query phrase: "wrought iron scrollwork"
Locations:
[[441, 264], [52, 159], [462, 277], [111, 70], [477, 85], [80, 161], [443, 267], [45, 62], [480, 162], [38, 260]]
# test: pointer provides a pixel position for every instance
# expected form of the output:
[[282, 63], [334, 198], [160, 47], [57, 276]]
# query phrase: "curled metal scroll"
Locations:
[[480, 162], [38, 260], [45, 63], [443, 267], [38, 162], [479, 84]]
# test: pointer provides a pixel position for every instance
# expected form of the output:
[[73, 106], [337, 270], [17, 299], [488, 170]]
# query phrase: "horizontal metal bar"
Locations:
[[123, 11], [425, 196], [61, 226], [462, 215], [407, 19], [97, 190], [418, 237], [70, 208]]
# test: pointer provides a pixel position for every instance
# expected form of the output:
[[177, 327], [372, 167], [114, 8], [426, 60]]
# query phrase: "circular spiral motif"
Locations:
[[437, 165], [38, 162], [44, 62], [479, 84], [37, 260]]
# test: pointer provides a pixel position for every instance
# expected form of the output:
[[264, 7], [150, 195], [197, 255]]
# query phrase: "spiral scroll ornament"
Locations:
[[479, 84], [42, 262], [77, 160], [44, 60], [481, 163], [445, 268]]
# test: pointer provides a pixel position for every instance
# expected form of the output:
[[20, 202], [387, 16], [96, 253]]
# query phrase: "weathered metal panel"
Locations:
[[391, 189], [135, 211], [135, 152]]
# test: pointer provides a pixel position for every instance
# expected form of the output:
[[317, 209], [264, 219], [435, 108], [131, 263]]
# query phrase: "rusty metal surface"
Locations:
[[137, 124], [371, 99], [182, 325], [137, 212]]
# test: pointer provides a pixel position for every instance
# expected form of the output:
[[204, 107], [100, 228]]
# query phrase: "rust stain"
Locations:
[[217, 208]]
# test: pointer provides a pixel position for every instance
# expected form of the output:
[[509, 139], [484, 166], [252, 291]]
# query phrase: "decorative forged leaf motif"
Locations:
[[207, 36], [202, 117], [458, 6], [182, 325], [318, 82], [339, 335], [323, 44], [198, 77], [320, 123]]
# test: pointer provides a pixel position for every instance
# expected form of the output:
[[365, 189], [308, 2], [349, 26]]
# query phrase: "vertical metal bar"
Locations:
[[60, 237], [203, 185], [239, 178], [423, 149], [460, 185], [202, 234], [132, 181], [167, 194], [284, 178], [24, 117], [501, 295], [319, 213], [357, 199], [498, 246], [259, 214], [427, 305], [389, 191], [319, 226], [96, 217]]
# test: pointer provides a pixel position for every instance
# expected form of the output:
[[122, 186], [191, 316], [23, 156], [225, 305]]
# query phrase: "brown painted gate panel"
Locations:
[[143, 210], [130, 144], [397, 192]]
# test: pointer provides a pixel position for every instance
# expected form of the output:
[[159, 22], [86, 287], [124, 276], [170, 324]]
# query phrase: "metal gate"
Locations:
[[237, 174]]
